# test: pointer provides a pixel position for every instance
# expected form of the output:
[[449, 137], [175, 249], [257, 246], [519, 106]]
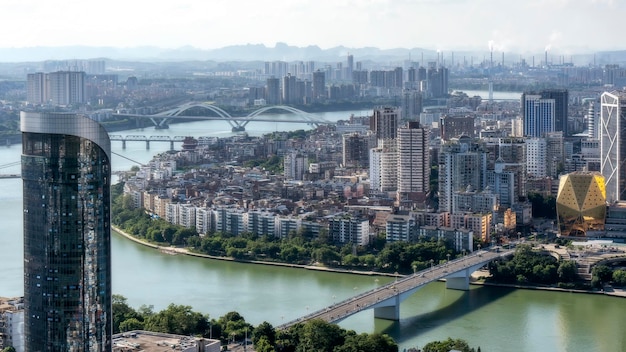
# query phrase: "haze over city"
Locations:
[[565, 26]]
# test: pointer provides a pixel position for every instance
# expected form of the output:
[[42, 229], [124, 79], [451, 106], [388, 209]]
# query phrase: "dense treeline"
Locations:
[[398, 257], [532, 267], [603, 275], [315, 335], [177, 319]]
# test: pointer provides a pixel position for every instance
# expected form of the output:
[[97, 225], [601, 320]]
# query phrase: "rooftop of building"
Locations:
[[11, 303], [147, 341]]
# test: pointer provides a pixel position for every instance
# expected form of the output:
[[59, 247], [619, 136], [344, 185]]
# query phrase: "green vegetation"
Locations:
[[318, 335], [314, 335], [297, 248], [604, 275], [448, 345], [273, 164], [177, 319], [285, 135], [533, 267]]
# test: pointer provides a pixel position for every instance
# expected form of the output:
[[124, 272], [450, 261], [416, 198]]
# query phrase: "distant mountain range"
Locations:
[[281, 51], [248, 52]]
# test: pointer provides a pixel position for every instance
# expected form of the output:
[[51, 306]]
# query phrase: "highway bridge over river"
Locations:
[[385, 300], [206, 111]]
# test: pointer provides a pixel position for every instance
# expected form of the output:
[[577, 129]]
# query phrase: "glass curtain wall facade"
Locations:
[[67, 250]]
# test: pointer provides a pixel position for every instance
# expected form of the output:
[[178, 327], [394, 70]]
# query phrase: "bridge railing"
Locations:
[[397, 283]]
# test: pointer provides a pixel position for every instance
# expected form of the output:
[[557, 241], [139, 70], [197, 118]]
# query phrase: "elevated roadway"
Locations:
[[385, 300]]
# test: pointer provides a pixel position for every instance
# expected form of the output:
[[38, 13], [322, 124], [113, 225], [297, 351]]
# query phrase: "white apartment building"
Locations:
[[536, 157]]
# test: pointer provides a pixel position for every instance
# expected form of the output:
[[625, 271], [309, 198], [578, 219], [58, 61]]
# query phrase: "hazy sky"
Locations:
[[507, 25]]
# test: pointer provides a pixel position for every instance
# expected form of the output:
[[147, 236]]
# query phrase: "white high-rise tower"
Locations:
[[613, 144]]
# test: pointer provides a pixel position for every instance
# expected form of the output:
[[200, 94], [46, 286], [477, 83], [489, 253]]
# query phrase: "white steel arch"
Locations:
[[305, 115], [181, 109]]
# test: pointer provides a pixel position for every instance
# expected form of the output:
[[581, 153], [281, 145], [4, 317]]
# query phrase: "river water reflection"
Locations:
[[496, 319]]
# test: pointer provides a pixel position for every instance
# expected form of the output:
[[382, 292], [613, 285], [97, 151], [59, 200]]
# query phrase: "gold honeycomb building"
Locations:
[[581, 203]]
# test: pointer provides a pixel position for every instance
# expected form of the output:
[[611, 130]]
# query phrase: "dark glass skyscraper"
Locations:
[[67, 243]]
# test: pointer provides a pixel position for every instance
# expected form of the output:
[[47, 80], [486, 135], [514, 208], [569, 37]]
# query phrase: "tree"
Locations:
[[368, 343], [177, 319], [350, 260], [8, 349], [131, 324], [122, 312], [263, 345], [567, 271], [234, 325], [619, 277], [182, 234], [167, 234], [447, 345], [318, 335], [603, 273], [264, 331], [326, 256]]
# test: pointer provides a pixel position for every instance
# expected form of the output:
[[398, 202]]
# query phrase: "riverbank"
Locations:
[[477, 278], [184, 251]]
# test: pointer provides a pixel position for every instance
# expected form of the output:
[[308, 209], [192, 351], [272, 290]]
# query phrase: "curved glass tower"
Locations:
[[67, 243]]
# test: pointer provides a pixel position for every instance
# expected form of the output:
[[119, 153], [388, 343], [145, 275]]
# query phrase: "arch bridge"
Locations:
[[237, 123], [385, 300]]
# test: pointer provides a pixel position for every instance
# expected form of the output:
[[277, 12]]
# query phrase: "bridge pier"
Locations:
[[147, 145], [124, 144], [460, 280], [391, 312], [171, 145], [458, 283]]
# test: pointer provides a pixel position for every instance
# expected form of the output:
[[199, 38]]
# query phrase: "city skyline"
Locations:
[[563, 26]]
